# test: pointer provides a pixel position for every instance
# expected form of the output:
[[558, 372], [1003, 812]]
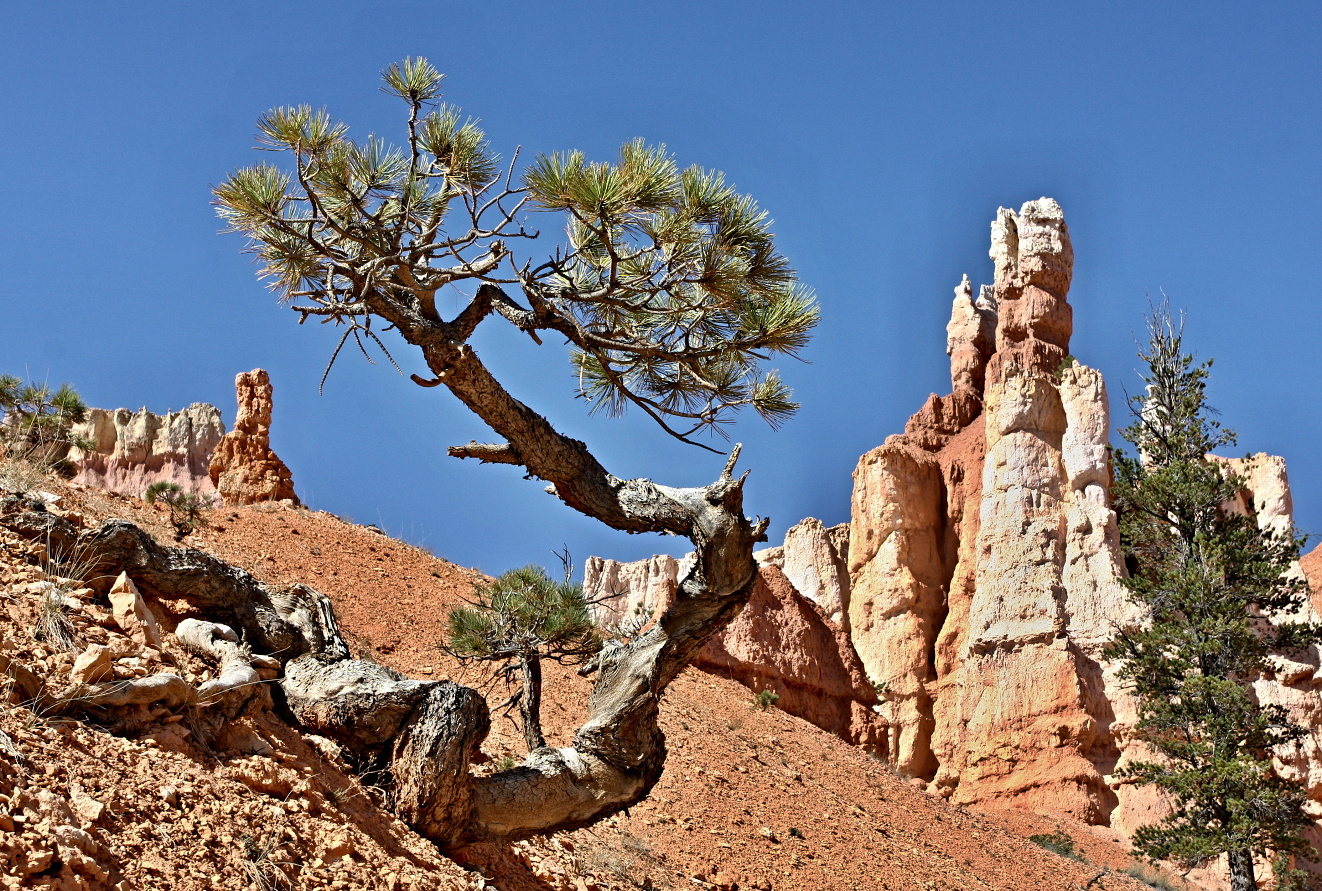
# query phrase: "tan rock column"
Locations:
[[244, 468]]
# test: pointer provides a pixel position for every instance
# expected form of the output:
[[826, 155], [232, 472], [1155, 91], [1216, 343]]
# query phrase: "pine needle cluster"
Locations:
[[1222, 601], [38, 421], [187, 511], [668, 285]]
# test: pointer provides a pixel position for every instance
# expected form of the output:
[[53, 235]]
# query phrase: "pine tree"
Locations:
[[187, 510], [667, 286], [518, 619], [38, 422], [1220, 599]]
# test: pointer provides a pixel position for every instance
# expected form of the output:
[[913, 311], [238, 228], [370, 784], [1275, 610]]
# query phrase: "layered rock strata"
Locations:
[[132, 450], [983, 563], [243, 467]]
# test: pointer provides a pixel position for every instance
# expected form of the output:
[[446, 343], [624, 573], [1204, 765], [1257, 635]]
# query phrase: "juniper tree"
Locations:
[[670, 293], [1221, 601], [518, 619]]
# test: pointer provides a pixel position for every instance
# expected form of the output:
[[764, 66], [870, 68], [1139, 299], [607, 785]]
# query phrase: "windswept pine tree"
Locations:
[[671, 295], [1221, 601], [37, 421]]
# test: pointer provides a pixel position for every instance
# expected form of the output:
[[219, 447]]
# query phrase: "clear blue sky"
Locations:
[[1183, 140]]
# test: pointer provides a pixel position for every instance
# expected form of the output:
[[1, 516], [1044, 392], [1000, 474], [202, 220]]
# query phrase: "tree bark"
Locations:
[[1242, 877], [530, 702]]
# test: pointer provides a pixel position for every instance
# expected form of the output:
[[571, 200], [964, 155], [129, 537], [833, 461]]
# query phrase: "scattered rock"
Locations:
[[132, 614], [93, 664]]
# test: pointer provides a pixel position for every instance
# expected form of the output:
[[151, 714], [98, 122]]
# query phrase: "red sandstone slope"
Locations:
[[749, 799]]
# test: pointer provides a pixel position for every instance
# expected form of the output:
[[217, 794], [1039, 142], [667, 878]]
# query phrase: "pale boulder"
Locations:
[[896, 600], [93, 665], [132, 614]]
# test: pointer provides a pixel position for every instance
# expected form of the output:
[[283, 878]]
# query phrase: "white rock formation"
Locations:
[[135, 449]]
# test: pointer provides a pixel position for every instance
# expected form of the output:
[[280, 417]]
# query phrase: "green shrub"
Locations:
[[1150, 877], [765, 699], [38, 423], [517, 620], [187, 511], [1058, 842]]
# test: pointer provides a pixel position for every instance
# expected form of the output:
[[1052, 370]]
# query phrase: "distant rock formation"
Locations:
[[984, 571], [135, 449], [243, 468], [983, 553], [782, 642], [816, 562]]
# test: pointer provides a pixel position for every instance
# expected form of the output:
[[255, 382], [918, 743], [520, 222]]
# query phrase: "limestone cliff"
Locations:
[[816, 562], [244, 468], [983, 550], [132, 450], [985, 562]]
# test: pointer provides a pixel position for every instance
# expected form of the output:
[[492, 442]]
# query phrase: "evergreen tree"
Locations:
[[1220, 600], [37, 422], [518, 619], [187, 510]]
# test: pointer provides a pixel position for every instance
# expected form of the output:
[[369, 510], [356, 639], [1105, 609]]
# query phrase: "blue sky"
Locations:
[[1183, 141]]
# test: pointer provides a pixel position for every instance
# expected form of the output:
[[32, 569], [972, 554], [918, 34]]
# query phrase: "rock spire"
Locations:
[[244, 468]]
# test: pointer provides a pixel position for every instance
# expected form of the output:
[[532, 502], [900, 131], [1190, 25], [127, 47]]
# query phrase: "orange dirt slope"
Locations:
[[750, 799]]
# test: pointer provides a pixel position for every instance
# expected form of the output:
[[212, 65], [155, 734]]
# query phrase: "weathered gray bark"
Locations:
[[237, 680], [1241, 871], [618, 754], [530, 701]]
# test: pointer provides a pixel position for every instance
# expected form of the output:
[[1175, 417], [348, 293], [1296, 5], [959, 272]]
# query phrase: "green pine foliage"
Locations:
[[38, 421], [522, 612], [519, 619], [1221, 602], [667, 285], [187, 511]]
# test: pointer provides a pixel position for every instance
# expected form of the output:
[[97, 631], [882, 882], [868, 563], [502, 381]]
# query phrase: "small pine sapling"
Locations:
[[518, 619], [187, 511]]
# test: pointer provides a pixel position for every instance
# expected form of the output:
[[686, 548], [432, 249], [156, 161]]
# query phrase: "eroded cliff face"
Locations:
[[983, 551], [135, 449], [985, 563], [782, 641], [984, 570], [243, 467], [815, 560]]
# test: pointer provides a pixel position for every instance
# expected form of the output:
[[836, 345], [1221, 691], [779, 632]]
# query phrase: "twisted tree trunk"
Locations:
[[426, 732], [530, 700], [1241, 871]]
